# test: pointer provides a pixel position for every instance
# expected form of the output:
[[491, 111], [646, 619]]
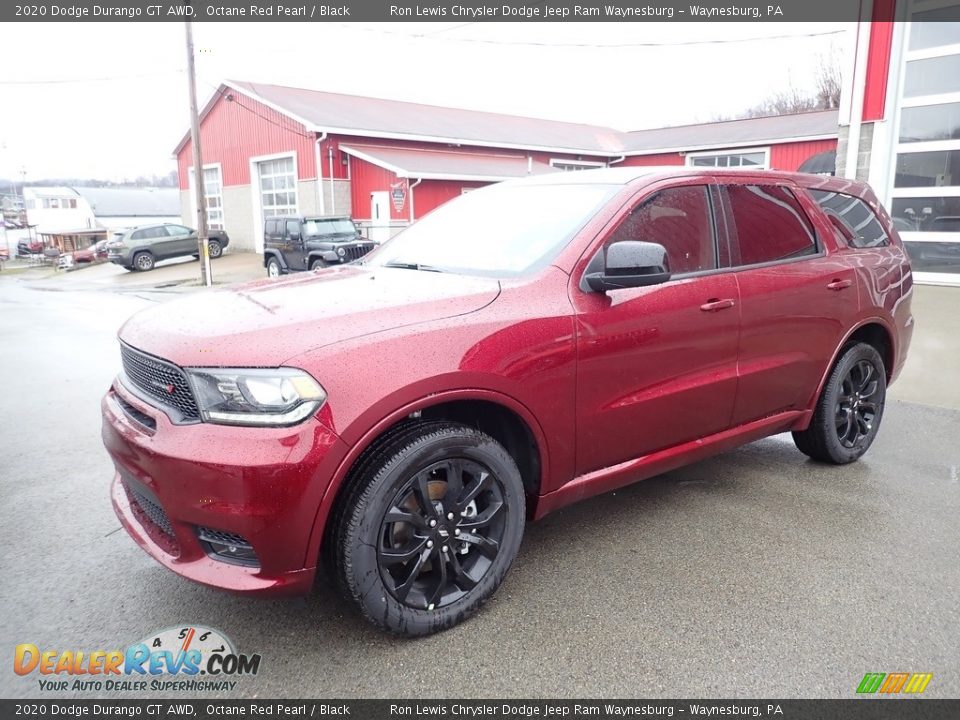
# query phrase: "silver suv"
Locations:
[[140, 248]]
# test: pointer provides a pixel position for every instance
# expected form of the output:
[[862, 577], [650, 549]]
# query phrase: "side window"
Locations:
[[270, 227], [156, 232], [679, 219], [177, 230], [293, 227], [768, 225], [137, 235], [863, 229]]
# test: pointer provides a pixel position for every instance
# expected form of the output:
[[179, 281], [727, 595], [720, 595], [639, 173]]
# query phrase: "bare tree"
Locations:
[[825, 95]]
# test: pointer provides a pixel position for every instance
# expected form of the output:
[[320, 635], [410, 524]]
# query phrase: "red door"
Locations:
[[796, 299], [657, 365]]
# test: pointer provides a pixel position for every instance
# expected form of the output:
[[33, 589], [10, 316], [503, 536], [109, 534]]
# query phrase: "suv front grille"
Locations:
[[160, 380], [355, 252]]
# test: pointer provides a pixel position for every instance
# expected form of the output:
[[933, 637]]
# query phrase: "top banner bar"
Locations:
[[445, 11]]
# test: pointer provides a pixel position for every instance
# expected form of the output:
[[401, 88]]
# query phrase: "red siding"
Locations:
[[648, 160], [233, 132], [431, 194], [878, 60], [790, 156], [366, 178]]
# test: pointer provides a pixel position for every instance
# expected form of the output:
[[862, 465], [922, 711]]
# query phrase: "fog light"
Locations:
[[228, 547]]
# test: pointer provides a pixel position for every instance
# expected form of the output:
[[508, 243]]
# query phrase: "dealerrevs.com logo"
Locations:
[[190, 658]]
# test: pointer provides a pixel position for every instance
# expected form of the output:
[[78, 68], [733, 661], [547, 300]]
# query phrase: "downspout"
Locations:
[[412, 186], [617, 160], [317, 159], [333, 198]]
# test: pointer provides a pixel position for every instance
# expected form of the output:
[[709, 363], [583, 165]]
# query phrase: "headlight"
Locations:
[[247, 396]]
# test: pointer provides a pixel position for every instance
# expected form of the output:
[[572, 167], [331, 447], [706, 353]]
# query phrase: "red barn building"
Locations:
[[271, 150]]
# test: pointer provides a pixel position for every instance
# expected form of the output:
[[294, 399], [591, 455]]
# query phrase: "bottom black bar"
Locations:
[[852, 709]]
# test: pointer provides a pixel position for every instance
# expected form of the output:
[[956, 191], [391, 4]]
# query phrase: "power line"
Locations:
[[67, 81], [434, 35], [235, 101]]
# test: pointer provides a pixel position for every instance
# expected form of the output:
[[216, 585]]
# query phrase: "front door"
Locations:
[[294, 248], [657, 366], [379, 216]]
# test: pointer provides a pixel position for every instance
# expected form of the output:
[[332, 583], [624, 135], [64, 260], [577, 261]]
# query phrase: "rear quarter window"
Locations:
[[864, 229]]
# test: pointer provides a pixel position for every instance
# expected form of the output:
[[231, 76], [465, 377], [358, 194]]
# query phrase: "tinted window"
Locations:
[[177, 230], [137, 235], [293, 227], [680, 220], [768, 225], [863, 227], [155, 232], [271, 227]]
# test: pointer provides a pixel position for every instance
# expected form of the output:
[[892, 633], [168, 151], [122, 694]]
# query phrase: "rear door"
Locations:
[[797, 296]]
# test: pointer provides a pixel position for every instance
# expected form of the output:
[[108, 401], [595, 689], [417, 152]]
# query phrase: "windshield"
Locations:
[[328, 227], [499, 231]]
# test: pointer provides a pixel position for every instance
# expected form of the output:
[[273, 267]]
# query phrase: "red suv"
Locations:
[[523, 347]]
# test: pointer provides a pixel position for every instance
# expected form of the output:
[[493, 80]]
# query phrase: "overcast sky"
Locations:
[[109, 100]]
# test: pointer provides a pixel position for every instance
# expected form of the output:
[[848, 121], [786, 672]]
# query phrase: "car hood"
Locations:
[[266, 322]]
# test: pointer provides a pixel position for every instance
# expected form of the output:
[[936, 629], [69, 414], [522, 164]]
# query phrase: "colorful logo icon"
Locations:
[[892, 683]]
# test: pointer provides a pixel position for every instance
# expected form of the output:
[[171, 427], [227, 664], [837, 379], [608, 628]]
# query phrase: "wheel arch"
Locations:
[[271, 253], [500, 416], [874, 331]]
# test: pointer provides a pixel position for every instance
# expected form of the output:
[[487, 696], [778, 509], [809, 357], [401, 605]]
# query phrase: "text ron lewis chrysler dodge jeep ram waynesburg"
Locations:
[[522, 347]]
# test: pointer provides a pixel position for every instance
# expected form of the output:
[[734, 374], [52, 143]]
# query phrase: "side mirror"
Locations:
[[628, 264]]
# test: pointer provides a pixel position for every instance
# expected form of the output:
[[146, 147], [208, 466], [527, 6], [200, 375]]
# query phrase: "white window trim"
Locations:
[[688, 160], [579, 163], [191, 185], [255, 192]]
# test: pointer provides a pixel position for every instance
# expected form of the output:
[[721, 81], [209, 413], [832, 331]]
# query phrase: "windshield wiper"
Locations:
[[412, 266]]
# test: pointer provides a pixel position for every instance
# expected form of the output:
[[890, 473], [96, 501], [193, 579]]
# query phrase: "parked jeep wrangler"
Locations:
[[295, 242]]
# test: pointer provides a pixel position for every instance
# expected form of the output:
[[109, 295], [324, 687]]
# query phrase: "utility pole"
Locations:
[[202, 246]]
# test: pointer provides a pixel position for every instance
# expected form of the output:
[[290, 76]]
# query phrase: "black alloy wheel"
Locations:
[[855, 408], [847, 415], [441, 534], [214, 248], [428, 527]]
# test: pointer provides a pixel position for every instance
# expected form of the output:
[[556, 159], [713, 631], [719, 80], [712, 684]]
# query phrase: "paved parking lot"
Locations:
[[756, 573]]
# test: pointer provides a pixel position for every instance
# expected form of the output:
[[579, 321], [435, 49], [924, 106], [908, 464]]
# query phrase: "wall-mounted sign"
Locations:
[[398, 192]]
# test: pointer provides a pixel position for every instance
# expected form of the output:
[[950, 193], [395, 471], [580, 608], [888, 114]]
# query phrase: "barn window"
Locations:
[[278, 186], [753, 159], [213, 197]]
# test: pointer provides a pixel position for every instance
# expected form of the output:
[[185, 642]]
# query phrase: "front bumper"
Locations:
[[264, 484]]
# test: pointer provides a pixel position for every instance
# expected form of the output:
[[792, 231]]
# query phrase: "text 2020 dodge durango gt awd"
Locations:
[[522, 347]]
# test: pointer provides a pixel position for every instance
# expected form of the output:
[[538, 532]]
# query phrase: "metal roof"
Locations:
[[320, 111], [132, 202], [447, 165], [354, 114], [731, 133]]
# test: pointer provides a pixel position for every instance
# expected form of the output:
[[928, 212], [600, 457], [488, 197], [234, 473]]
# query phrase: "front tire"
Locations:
[[848, 413], [214, 248], [429, 528], [317, 264]]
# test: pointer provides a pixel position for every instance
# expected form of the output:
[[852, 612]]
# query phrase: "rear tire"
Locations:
[[848, 413], [273, 268], [428, 528], [143, 261]]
